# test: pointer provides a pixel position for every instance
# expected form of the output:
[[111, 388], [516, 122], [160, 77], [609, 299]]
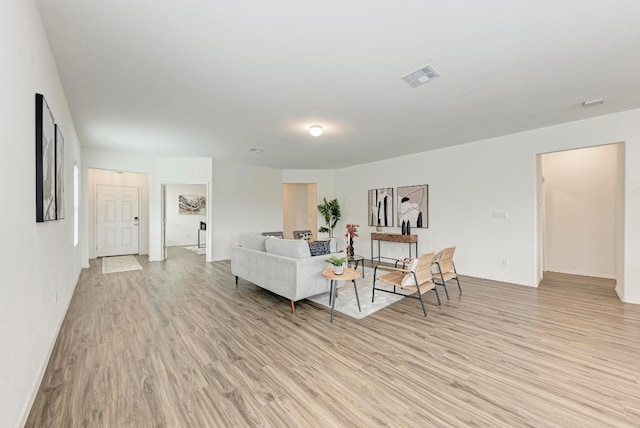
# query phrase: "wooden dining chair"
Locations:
[[416, 277]]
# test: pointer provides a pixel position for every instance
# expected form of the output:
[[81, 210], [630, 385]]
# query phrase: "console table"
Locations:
[[393, 237]]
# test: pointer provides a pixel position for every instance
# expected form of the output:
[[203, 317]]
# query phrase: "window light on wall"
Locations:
[[76, 204]]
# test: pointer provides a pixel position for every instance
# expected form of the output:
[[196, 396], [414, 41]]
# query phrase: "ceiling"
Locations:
[[215, 78]]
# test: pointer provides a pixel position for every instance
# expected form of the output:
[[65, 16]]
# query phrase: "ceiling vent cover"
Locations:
[[421, 76]]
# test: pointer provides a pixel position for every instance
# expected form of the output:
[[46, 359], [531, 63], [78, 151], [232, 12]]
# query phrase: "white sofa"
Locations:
[[282, 266]]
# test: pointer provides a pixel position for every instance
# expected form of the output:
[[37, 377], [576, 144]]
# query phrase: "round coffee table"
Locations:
[[347, 275]]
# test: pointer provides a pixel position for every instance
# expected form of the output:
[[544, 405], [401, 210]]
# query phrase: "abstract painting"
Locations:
[[189, 204], [59, 174], [45, 162], [413, 206], [381, 207]]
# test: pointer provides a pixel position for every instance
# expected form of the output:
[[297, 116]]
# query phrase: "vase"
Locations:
[[404, 227], [408, 227], [338, 270], [333, 245], [350, 251]]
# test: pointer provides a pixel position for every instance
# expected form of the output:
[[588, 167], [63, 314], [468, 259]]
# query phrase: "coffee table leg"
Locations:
[[357, 298]]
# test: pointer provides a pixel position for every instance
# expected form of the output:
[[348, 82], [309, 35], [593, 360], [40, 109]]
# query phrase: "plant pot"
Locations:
[[338, 270], [333, 245]]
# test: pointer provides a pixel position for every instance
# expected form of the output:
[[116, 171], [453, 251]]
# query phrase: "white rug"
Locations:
[[196, 250], [346, 302], [119, 264]]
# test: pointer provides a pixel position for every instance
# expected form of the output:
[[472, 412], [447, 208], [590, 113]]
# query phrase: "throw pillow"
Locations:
[[409, 279], [319, 248]]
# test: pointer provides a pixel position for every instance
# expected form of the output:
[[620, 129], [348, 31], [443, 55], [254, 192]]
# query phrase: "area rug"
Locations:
[[197, 250], [346, 302], [119, 264]]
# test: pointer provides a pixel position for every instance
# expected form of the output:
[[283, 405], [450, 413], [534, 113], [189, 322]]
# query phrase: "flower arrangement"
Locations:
[[352, 232]]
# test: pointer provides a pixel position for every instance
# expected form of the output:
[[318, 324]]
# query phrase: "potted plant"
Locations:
[[330, 211], [338, 263]]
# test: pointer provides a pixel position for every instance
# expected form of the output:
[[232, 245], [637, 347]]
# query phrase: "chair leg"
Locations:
[[424, 310], [444, 284], [458, 281], [373, 292], [437, 295]]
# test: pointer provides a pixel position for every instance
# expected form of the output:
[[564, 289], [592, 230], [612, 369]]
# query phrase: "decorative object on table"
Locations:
[[408, 227], [192, 205], [381, 207], [352, 232], [203, 225], [413, 206], [379, 228], [45, 161], [59, 174], [330, 211], [338, 263], [404, 227]]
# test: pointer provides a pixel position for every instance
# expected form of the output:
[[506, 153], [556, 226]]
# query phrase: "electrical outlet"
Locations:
[[505, 262]]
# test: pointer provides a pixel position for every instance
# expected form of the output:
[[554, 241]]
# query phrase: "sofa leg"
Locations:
[[293, 306], [236, 280]]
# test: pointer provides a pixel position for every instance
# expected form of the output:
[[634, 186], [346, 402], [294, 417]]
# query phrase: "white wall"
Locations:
[[183, 229], [38, 261], [469, 182], [580, 211], [247, 198], [112, 178]]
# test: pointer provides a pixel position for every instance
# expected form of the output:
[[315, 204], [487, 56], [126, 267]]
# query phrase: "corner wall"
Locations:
[[39, 265], [468, 183]]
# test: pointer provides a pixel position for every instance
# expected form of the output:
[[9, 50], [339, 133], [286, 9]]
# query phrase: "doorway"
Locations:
[[579, 211], [111, 225], [184, 219], [299, 208]]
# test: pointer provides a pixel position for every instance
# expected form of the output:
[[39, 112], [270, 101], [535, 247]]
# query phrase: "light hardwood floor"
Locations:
[[178, 345]]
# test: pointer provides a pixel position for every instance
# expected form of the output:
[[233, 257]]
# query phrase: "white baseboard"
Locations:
[[621, 297]]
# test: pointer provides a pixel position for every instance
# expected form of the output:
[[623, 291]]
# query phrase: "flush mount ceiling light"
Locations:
[[316, 130], [593, 102], [421, 76], [254, 150]]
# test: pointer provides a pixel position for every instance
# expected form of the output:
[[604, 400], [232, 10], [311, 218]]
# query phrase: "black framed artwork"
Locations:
[[45, 162], [380, 203], [59, 174], [413, 206]]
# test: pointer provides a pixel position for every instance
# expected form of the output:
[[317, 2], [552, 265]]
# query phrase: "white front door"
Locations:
[[117, 219]]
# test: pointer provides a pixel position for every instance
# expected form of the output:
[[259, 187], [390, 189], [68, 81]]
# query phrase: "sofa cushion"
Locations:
[[318, 248], [253, 241], [295, 248]]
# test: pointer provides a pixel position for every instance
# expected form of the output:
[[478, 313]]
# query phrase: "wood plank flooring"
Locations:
[[178, 345]]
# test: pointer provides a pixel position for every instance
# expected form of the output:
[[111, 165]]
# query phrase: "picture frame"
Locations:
[[192, 204], [59, 174], [413, 206], [45, 161], [380, 211]]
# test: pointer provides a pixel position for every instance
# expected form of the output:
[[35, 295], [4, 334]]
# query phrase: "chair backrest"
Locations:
[[446, 259], [302, 234], [423, 269], [276, 234]]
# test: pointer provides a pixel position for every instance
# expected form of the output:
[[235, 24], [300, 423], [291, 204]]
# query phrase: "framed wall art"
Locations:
[[59, 174], [45, 162], [413, 206], [381, 207], [189, 204]]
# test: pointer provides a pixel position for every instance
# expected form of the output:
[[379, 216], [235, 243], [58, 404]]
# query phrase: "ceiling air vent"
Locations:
[[421, 76]]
